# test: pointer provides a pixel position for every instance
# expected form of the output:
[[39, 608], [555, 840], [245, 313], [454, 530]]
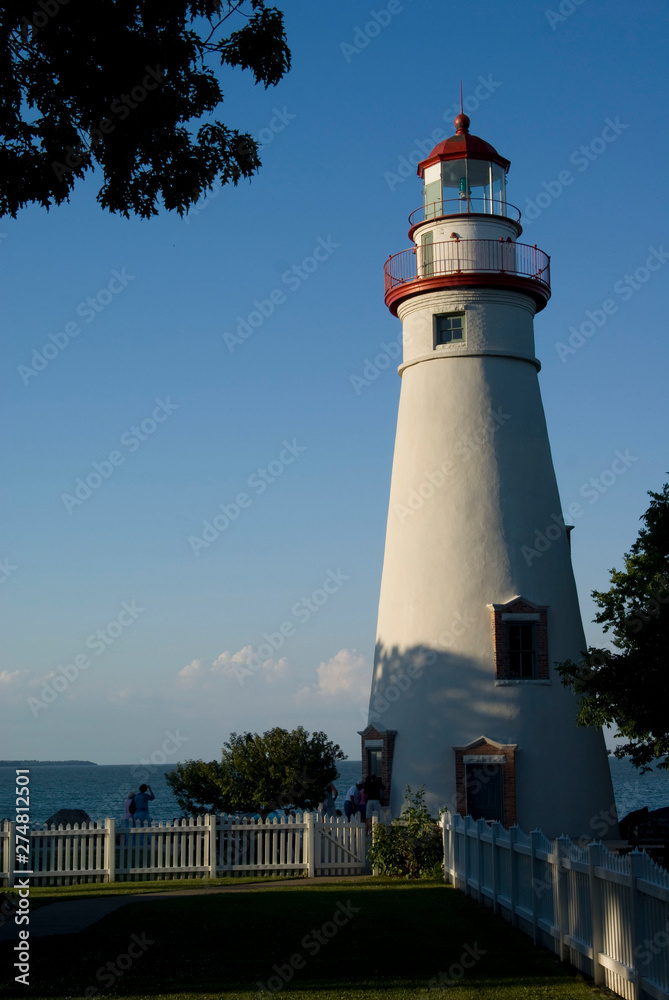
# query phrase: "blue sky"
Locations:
[[235, 342]]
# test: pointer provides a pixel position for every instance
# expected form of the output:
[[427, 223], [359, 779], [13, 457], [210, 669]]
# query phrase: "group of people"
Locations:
[[136, 806], [364, 798]]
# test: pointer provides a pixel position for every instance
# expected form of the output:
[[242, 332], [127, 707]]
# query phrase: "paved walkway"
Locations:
[[73, 916], [64, 918]]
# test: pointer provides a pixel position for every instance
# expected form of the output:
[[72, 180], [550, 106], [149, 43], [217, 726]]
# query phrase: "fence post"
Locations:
[[451, 848], [444, 852], [445, 839], [212, 821], [11, 852], [310, 836], [535, 840], [110, 848], [638, 865], [457, 827], [481, 825], [466, 854], [4, 849], [562, 888], [494, 865], [375, 820], [595, 860], [513, 868]]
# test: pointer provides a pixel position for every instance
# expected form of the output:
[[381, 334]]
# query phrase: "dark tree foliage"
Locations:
[[121, 86], [629, 689], [197, 787], [260, 774]]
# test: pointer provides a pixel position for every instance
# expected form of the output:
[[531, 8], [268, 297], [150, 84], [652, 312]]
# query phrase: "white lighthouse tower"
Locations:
[[472, 615]]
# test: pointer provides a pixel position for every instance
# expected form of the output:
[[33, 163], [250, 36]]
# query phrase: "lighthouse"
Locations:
[[478, 600]]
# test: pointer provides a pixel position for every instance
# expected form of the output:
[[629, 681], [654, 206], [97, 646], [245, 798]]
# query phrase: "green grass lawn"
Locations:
[[359, 939]]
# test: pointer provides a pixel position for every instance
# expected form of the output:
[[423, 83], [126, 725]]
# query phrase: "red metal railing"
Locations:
[[461, 257], [463, 206]]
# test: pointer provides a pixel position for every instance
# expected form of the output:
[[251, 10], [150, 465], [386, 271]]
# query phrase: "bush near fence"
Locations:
[[606, 914], [411, 846]]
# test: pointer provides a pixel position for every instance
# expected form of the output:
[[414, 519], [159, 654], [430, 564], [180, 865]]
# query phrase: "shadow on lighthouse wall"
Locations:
[[436, 700]]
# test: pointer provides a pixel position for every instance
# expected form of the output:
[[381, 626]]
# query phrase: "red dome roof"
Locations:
[[462, 145]]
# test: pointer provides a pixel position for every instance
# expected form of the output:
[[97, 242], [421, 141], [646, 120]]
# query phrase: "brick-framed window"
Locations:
[[377, 748], [485, 780], [520, 641]]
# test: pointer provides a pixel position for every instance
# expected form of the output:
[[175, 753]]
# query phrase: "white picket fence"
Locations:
[[604, 913], [201, 847]]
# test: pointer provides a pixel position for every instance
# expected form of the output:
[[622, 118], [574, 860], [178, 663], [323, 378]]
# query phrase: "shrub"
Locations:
[[412, 846]]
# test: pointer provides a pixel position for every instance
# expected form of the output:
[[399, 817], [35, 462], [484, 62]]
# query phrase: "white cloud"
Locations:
[[36, 681], [346, 676], [348, 670], [191, 672], [227, 663], [119, 697], [275, 668], [11, 682], [238, 664], [235, 665]]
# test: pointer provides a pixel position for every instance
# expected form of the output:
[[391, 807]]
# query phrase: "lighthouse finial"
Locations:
[[462, 121]]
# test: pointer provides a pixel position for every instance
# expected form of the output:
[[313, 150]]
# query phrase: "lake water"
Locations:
[[100, 790]]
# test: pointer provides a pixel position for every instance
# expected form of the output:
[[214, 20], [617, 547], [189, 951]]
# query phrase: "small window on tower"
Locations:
[[449, 328], [520, 642], [484, 784], [522, 650]]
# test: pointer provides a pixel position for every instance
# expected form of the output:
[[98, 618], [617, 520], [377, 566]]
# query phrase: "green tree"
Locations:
[[121, 87], [628, 687], [196, 785], [277, 770]]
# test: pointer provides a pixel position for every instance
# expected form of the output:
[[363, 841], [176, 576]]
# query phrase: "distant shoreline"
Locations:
[[44, 763]]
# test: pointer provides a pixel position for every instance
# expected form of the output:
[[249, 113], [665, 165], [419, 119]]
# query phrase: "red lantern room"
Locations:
[[466, 233], [464, 174]]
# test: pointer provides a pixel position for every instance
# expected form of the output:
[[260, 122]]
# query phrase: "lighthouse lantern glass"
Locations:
[[432, 192], [498, 189], [471, 186]]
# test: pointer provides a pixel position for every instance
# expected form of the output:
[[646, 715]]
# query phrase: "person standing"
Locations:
[[351, 802], [129, 809], [373, 788], [142, 799], [328, 804], [362, 801]]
